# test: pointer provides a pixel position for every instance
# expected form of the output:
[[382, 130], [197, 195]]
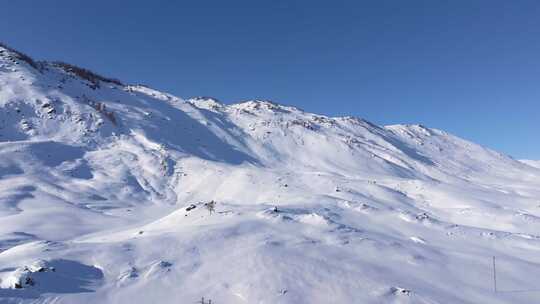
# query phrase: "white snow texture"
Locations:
[[104, 192]]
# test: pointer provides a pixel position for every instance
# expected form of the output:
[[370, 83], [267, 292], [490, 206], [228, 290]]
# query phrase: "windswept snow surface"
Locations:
[[103, 186], [533, 163]]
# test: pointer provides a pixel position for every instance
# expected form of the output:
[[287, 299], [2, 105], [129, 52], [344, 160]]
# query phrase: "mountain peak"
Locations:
[[205, 102], [12, 57], [263, 105]]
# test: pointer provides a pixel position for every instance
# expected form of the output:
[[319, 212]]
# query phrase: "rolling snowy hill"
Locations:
[[104, 192]]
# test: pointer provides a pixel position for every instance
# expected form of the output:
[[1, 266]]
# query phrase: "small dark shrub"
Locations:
[[22, 56], [86, 74], [100, 107]]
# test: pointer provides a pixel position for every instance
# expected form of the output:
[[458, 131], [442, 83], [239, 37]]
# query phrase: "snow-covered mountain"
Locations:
[[105, 192]]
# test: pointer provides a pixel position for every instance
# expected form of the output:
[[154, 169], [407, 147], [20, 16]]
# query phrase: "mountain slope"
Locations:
[[533, 163], [106, 184]]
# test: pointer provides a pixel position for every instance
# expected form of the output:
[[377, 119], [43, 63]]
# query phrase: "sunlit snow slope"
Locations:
[[103, 186]]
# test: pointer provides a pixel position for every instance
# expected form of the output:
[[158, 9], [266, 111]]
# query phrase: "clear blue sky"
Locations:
[[469, 67]]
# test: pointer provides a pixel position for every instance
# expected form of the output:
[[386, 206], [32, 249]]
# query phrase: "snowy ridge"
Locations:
[[533, 163], [104, 192]]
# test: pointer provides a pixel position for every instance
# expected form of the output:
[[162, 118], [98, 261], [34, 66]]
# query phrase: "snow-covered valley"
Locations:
[[114, 193]]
